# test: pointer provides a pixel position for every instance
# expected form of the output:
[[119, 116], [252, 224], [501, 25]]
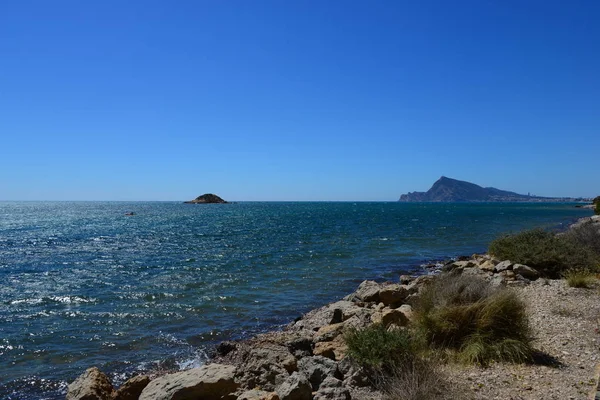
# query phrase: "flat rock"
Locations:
[[91, 385], [209, 382]]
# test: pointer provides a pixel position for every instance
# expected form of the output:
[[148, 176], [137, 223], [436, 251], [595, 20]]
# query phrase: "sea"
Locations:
[[83, 284]]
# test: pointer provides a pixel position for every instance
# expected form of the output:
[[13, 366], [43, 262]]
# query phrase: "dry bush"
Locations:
[[479, 322]]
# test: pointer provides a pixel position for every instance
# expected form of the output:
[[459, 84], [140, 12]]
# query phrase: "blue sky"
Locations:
[[296, 100]]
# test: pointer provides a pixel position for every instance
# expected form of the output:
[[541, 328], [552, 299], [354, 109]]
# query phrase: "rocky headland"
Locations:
[[308, 359], [453, 190], [207, 198]]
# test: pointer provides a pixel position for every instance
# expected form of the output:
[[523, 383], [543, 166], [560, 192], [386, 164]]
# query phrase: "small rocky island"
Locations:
[[207, 198]]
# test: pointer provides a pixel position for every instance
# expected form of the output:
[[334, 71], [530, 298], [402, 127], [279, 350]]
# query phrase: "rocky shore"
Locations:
[[307, 359]]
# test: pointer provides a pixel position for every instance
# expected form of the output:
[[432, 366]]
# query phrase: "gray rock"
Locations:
[[332, 389], [503, 266], [368, 291], [257, 394], [209, 382], [132, 388], [301, 347], [266, 366], [497, 281], [525, 271], [317, 368], [91, 385], [473, 271], [295, 387]]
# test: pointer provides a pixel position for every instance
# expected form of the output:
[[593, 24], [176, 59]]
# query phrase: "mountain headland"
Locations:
[[452, 190]]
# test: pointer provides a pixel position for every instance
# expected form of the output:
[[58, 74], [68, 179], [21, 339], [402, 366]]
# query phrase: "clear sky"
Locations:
[[296, 100]]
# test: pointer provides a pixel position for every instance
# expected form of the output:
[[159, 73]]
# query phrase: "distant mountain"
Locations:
[[453, 190]]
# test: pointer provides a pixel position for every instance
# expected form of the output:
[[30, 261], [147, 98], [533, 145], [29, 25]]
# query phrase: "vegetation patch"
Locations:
[[475, 320], [394, 364], [377, 347], [580, 278], [548, 253]]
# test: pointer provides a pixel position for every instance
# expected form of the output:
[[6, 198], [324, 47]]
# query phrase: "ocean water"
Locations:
[[82, 285]]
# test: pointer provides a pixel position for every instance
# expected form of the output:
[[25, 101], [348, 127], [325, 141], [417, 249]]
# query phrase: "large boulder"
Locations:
[[368, 291], [526, 271], [393, 295], [132, 388], [329, 314], [91, 385], [335, 350], [209, 382], [390, 316], [488, 265], [266, 366], [295, 387], [317, 368], [504, 266]]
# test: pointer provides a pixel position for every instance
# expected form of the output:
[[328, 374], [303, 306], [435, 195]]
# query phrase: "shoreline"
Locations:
[[268, 360]]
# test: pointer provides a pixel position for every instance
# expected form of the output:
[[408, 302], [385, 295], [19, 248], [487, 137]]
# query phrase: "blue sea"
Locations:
[[82, 284]]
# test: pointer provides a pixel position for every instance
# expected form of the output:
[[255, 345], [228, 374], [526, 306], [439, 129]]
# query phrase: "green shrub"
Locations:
[[548, 253], [379, 348], [580, 278], [477, 321], [596, 202]]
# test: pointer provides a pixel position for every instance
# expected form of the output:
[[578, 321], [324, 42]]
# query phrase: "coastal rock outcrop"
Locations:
[[209, 382], [207, 198], [307, 359], [91, 385]]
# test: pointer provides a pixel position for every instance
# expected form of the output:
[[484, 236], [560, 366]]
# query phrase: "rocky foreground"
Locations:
[[307, 360]]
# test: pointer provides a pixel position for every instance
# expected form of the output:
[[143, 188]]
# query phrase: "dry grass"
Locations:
[[418, 380], [580, 278], [478, 322]]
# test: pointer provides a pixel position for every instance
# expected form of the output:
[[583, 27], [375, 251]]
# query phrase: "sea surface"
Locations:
[[82, 284]]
